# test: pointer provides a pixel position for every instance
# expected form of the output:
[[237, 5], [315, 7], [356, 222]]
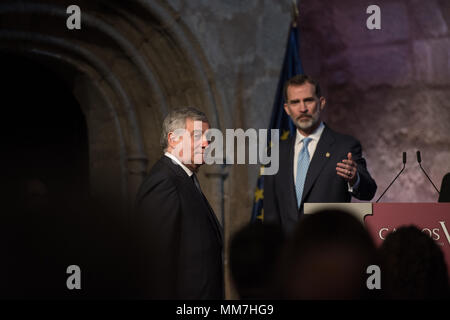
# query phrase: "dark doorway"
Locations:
[[44, 179], [43, 133], [49, 221]]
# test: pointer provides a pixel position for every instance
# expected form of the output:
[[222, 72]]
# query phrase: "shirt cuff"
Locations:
[[355, 186]]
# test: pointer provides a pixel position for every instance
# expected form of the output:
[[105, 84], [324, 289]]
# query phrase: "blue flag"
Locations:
[[279, 119]]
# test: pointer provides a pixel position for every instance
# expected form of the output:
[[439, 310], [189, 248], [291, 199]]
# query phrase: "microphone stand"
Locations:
[[419, 160], [404, 164]]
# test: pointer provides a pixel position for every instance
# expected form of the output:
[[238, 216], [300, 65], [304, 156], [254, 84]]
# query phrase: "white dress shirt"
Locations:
[[315, 136], [178, 162]]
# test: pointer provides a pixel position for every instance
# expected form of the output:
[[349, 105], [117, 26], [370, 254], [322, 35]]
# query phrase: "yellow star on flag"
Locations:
[[261, 216], [259, 194]]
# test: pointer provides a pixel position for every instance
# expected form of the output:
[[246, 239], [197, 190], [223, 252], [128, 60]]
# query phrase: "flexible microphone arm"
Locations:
[[419, 160], [404, 164]]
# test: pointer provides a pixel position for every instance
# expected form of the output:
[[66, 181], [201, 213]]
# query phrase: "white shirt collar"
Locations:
[[314, 136], [178, 162]]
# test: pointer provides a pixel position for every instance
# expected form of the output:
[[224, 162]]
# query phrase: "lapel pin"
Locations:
[[327, 155]]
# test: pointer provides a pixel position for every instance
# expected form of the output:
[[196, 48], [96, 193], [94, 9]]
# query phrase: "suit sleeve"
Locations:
[[158, 224], [367, 186]]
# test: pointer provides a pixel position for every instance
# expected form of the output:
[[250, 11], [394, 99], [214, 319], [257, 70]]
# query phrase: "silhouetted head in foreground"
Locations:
[[254, 258], [413, 266], [327, 258]]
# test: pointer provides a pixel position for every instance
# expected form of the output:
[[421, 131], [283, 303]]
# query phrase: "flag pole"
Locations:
[[295, 13]]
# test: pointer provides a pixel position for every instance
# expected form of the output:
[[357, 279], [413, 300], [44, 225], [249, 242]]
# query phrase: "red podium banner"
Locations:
[[382, 218], [432, 218]]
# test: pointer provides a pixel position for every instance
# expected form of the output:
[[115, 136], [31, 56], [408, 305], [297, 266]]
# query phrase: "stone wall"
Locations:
[[388, 87]]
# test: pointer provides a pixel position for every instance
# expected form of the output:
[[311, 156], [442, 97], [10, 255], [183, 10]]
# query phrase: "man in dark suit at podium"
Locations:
[[317, 164], [182, 236]]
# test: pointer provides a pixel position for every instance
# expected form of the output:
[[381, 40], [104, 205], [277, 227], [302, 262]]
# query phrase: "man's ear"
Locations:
[[286, 108], [172, 139], [323, 102]]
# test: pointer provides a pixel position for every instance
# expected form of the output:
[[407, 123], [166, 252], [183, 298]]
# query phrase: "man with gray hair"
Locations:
[[183, 256]]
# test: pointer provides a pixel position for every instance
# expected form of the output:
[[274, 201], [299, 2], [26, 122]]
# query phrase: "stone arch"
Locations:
[[128, 65]]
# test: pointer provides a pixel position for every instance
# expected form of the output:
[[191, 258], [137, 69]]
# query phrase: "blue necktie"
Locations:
[[302, 169]]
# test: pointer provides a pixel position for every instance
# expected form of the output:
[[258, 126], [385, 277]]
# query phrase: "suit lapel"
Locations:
[[202, 199], [287, 177], [213, 218], [319, 160]]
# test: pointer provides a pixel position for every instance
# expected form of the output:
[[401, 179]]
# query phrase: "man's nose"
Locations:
[[205, 142], [303, 107]]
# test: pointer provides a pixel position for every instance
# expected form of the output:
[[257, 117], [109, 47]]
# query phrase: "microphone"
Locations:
[[419, 160], [404, 164]]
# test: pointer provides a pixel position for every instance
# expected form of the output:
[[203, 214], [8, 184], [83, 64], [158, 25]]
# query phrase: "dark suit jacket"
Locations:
[[183, 251], [322, 183]]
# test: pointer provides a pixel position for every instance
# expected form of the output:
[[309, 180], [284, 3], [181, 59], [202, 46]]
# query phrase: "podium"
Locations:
[[382, 218]]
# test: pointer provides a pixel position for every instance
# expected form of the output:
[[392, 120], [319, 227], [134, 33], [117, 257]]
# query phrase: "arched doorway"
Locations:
[[128, 65], [44, 135]]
